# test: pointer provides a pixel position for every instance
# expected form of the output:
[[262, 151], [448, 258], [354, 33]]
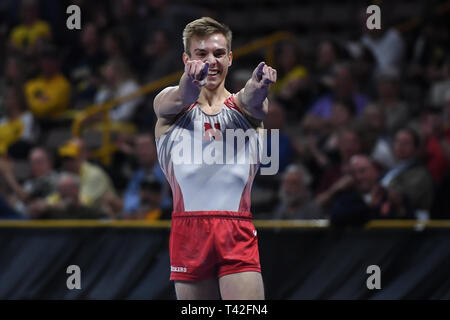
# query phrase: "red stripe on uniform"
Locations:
[[244, 204], [230, 103], [178, 201], [192, 106]]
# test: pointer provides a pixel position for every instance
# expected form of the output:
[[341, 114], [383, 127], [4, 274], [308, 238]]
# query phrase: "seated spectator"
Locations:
[[439, 90], [396, 110], [441, 205], [309, 133], [430, 52], [48, 95], [436, 141], [327, 58], [123, 160], [342, 115], [44, 175], [118, 83], [409, 178], [265, 187], [150, 200], [96, 189], [14, 74], [31, 30], [276, 119], [344, 89], [336, 176], [149, 167], [100, 13], [171, 16], [115, 45], [348, 144], [69, 205], [375, 140], [290, 69], [364, 199], [158, 57], [295, 197], [43, 182], [17, 129], [364, 65], [85, 74], [126, 15], [319, 146], [293, 79]]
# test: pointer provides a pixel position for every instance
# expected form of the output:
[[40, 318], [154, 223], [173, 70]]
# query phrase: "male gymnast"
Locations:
[[213, 242]]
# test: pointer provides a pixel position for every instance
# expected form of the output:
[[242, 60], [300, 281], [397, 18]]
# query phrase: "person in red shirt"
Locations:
[[434, 125]]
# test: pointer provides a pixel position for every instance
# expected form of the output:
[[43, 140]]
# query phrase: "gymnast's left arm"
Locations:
[[252, 99]]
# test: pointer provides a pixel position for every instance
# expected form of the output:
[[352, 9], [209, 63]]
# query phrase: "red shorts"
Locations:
[[212, 244]]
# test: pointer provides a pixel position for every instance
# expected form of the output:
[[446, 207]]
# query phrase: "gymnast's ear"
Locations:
[[185, 57]]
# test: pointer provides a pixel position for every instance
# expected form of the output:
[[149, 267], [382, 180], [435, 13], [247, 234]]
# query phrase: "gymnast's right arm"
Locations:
[[173, 100]]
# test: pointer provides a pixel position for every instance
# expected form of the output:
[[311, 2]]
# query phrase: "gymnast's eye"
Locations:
[[200, 53], [219, 54]]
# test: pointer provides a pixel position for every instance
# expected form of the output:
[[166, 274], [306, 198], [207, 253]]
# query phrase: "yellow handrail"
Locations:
[[266, 43], [260, 224]]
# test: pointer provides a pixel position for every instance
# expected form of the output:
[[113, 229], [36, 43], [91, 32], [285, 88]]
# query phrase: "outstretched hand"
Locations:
[[197, 71], [264, 75]]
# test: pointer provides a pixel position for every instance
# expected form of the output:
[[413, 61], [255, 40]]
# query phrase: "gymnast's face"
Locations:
[[212, 49]]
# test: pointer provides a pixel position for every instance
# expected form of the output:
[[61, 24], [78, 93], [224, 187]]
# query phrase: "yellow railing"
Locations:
[[267, 43], [260, 224]]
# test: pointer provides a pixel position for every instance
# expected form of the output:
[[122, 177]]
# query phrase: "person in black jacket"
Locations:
[[366, 199]]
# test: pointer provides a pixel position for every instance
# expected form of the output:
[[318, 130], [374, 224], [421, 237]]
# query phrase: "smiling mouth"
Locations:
[[213, 73]]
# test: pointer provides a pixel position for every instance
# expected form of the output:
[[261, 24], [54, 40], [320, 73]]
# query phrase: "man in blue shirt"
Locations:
[[149, 166], [344, 89]]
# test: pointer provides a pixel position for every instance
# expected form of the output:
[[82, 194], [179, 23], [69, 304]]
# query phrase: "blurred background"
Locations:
[[364, 120]]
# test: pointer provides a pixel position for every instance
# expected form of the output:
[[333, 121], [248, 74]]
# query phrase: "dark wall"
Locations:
[[133, 263]]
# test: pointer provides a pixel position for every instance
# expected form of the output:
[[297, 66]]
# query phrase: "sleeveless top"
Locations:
[[208, 169]]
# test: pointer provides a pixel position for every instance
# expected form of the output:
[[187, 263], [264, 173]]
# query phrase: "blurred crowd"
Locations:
[[364, 122]]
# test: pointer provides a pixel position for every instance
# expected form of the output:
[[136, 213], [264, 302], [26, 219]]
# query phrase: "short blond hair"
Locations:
[[204, 26]]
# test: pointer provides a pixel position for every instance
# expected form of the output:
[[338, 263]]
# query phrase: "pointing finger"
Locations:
[[259, 70], [197, 71], [204, 71], [206, 66], [273, 74]]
